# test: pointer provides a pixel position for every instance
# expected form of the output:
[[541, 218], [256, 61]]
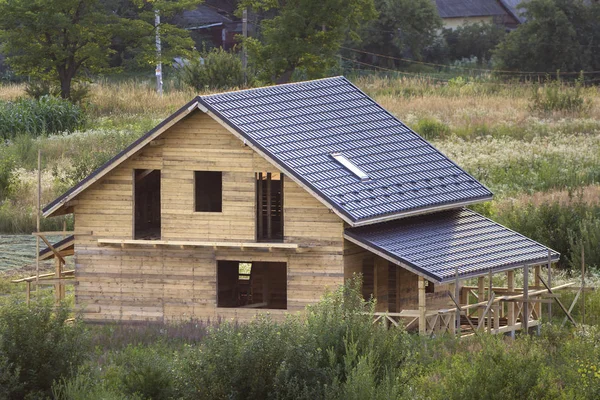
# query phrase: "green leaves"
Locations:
[[304, 35]]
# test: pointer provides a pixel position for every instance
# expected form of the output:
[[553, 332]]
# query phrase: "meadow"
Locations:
[[526, 142], [530, 143]]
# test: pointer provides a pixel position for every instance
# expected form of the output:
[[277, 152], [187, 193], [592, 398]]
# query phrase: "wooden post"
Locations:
[[422, 306], [489, 315], [549, 282], [37, 225], [510, 277], [497, 317], [457, 296], [57, 275], [582, 283], [481, 299], [398, 289], [525, 309], [28, 292], [536, 279], [260, 205], [269, 219]]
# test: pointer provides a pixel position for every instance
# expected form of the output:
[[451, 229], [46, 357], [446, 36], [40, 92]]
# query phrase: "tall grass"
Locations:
[[38, 117]]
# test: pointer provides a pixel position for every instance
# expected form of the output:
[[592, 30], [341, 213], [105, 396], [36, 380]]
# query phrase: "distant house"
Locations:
[[261, 200], [211, 25], [501, 12]]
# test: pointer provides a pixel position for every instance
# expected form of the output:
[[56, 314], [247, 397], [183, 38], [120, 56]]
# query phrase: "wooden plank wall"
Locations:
[[171, 283], [406, 282]]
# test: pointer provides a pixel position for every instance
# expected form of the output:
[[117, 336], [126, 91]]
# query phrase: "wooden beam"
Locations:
[[560, 304], [60, 233], [536, 279], [459, 311], [178, 243], [56, 253], [422, 306]]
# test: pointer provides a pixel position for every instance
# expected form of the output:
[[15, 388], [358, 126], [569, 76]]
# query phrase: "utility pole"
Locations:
[[159, 80], [244, 54]]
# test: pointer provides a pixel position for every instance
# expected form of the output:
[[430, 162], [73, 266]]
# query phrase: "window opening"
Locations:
[[208, 191], [269, 206], [147, 204], [254, 284]]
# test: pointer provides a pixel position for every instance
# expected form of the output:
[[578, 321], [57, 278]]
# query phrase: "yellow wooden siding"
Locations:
[[171, 283]]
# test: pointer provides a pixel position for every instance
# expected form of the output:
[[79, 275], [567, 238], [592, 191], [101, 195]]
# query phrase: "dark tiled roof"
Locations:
[[468, 8], [435, 244], [300, 125]]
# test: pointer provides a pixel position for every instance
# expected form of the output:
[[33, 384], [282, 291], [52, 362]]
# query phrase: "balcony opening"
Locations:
[[269, 207], [147, 204], [256, 284]]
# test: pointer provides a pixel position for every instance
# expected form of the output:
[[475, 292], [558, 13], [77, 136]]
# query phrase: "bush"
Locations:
[[563, 227], [39, 89], [335, 350], [430, 129], [493, 369], [39, 117], [38, 346], [215, 69], [554, 96]]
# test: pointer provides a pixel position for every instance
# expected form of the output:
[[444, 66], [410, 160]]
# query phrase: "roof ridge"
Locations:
[[206, 96]]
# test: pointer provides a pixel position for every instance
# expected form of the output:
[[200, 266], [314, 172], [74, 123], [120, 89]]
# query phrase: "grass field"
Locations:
[[492, 129]]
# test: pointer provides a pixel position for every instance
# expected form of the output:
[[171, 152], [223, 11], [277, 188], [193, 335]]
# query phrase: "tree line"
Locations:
[[63, 41]]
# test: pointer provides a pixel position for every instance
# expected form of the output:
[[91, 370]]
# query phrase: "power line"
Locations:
[[466, 68]]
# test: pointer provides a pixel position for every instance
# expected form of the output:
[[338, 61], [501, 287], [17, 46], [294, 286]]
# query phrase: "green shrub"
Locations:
[[142, 371], [560, 226], [39, 117], [214, 69], [38, 89], [554, 96], [493, 369], [430, 129], [39, 346]]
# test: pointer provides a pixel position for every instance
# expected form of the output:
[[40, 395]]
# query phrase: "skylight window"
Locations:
[[350, 166]]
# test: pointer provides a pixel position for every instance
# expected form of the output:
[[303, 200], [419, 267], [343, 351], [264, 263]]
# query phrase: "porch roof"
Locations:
[[435, 245]]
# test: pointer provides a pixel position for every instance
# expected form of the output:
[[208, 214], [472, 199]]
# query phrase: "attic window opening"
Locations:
[[208, 188], [350, 166]]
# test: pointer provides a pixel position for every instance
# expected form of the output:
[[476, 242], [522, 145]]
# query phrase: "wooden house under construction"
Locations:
[[259, 200]]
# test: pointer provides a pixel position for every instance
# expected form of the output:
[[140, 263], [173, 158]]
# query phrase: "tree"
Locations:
[[305, 34], [404, 27], [473, 40], [558, 35], [55, 40]]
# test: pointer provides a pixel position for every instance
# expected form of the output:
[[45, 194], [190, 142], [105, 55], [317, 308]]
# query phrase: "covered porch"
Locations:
[[436, 274]]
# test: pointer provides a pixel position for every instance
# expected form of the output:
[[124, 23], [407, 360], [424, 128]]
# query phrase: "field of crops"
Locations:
[[17, 251]]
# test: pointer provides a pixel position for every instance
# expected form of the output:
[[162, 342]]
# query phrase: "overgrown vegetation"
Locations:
[[214, 69], [334, 352], [36, 117]]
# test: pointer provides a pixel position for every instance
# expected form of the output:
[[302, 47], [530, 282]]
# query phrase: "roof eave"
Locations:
[[137, 145], [420, 211]]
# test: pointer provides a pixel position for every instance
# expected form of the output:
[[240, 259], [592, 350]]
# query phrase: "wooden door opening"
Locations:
[[256, 284], [269, 207], [147, 204]]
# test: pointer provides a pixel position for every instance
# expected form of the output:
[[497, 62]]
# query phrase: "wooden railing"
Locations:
[[504, 311]]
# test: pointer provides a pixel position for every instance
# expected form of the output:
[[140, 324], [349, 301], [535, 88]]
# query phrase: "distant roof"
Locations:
[[469, 8], [301, 125], [513, 7], [435, 245], [202, 15]]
